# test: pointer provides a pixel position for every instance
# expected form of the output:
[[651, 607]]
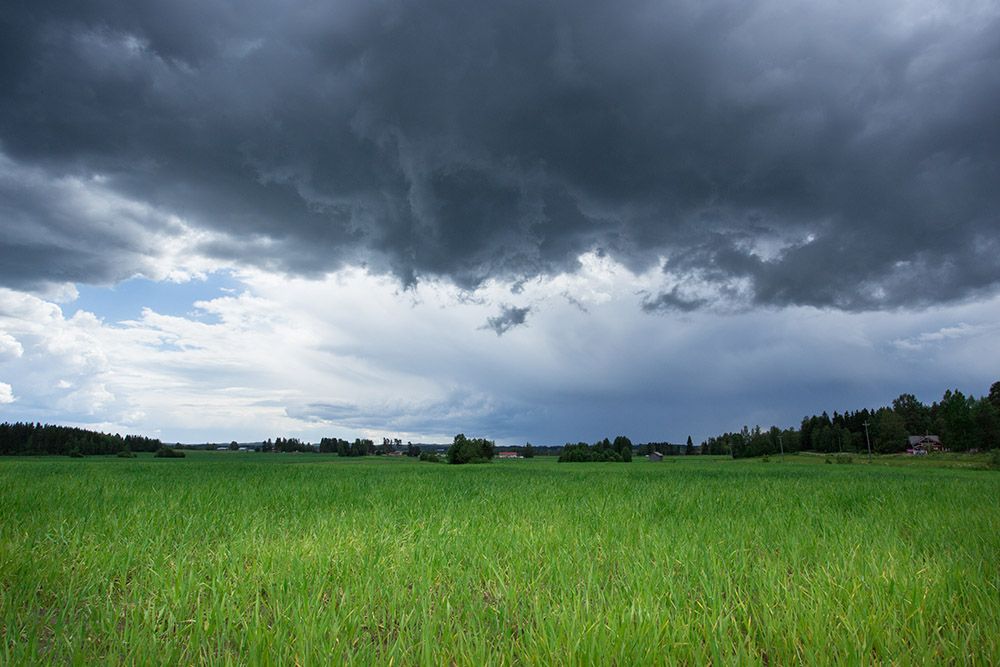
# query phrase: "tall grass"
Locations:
[[224, 559]]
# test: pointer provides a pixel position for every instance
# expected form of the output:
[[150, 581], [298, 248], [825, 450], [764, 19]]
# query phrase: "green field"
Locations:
[[299, 559]]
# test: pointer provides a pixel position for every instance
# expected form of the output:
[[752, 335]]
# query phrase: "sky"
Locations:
[[535, 220]]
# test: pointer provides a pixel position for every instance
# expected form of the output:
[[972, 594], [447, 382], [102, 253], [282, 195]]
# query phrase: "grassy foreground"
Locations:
[[281, 560]]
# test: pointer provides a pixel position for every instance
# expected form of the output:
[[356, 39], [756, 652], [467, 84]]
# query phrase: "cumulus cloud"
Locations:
[[826, 154], [354, 356], [9, 347], [57, 361]]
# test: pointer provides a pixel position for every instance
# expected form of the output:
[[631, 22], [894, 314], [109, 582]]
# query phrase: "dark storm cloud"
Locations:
[[58, 229], [509, 317], [672, 300], [858, 142]]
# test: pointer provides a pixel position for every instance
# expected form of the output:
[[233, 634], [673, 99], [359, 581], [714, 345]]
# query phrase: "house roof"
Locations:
[[918, 439]]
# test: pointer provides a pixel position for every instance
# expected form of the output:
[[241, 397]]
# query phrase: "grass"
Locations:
[[225, 558]]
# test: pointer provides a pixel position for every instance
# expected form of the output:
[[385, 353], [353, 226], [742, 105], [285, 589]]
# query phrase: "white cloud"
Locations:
[[355, 355], [9, 347], [6, 393], [59, 364], [960, 330]]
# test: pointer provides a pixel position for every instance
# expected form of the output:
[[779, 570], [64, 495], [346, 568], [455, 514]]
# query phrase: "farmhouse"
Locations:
[[507, 455], [921, 444], [655, 457]]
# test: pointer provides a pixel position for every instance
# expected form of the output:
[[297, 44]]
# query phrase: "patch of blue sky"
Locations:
[[126, 300]]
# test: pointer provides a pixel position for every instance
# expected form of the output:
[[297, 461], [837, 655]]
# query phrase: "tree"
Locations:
[[623, 447], [986, 424], [888, 432], [330, 445], [760, 443], [529, 451], [955, 413], [994, 396], [689, 447], [578, 453], [824, 439], [234, 446], [915, 415]]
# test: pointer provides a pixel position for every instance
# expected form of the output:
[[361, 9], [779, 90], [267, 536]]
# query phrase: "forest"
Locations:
[[963, 423], [36, 439]]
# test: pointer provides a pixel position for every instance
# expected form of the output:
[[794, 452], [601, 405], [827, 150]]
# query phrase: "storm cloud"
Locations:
[[509, 317], [841, 155]]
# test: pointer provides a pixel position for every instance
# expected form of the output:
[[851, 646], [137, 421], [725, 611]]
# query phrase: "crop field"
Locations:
[[226, 558]]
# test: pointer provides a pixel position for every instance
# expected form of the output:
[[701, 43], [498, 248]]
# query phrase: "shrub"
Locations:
[[430, 456], [994, 461], [844, 458], [75, 453], [125, 454], [167, 453]]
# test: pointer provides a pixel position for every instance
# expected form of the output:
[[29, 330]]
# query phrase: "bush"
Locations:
[[167, 453], [125, 454], [844, 458], [75, 453], [765, 459], [430, 457]]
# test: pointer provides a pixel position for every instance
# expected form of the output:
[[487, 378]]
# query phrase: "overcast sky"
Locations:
[[535, 220]]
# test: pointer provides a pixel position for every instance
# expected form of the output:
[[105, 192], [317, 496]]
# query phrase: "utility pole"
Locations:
[[782, 449], [869, 440]]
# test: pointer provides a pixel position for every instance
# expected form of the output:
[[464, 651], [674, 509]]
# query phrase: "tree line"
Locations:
[[339, 446], [666, 448], [462, 449], [963, 423], [37, 439]]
